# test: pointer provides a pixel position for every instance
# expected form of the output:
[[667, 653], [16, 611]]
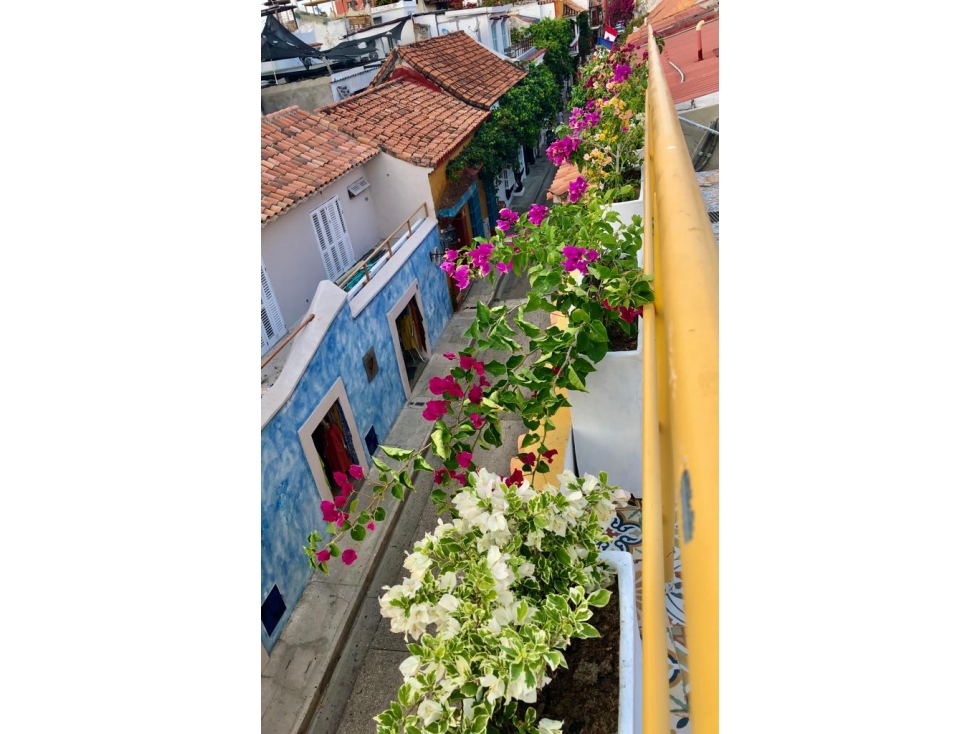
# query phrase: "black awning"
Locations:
[[366, 49], [278, 43]]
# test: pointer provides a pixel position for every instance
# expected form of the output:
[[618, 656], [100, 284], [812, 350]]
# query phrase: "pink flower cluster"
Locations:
[[332, 513], [560, 150], [537, 214], [621, 73], [575, 190], [577, 258], [582, 120], [628, 314], [507, 219], [449, 387]]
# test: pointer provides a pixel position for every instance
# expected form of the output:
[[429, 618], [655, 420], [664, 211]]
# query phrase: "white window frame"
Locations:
[[336, 393], [393, 314], [332, 238]]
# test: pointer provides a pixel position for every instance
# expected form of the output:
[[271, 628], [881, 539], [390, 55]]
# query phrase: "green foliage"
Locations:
[[586, 40], [555, 35], [523, 111], [493, 599]]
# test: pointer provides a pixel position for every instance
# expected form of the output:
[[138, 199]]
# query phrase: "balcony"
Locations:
[[519, 49], [361, 273]]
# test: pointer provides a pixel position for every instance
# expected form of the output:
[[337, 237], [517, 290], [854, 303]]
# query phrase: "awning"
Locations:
[[278, 43]]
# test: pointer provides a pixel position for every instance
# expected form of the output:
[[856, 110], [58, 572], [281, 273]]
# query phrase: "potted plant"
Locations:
[[494, 599]]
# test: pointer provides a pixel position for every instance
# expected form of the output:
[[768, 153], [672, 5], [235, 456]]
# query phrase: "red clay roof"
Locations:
[[700, 76], [567, 173], [459, 65], [300, 156], [407, 120]]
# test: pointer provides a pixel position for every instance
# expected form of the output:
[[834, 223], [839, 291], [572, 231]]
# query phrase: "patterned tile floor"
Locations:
[[627, 529]]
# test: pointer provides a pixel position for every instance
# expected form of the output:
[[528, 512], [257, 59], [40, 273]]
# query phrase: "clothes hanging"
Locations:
[[336, 452]]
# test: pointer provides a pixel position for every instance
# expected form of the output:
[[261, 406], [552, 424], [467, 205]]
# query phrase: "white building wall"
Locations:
[[397, 189], [291, 252]]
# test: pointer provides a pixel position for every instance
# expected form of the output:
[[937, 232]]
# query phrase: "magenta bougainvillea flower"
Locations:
[[477, 420], [515, 478], [330, 513], [440, 475], [348, 556], [323, 555], [465, 458], [548, 455], [370, 525], [476, 394], [537, 214], [560, 150], [504, 267], [434, 409], [451, 255], [356, 471], [449, 355], [578, 187], [621, 73], [446, 385], [466, 362]]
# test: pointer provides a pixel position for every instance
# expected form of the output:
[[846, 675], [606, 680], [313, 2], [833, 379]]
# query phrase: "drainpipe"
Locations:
[[700, 41]]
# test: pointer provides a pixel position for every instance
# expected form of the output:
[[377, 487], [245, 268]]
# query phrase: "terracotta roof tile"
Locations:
[[300, 156], [567, 173], [458, 64], [407, 120]]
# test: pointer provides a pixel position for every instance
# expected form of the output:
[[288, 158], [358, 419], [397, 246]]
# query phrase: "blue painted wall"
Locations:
[[290, 499]]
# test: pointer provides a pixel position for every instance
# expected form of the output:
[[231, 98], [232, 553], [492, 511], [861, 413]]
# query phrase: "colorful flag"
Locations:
[[608, 37]]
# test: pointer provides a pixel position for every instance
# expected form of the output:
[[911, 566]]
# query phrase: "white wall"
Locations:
[[474, 22], [292, 255], [399, 188], [345, 83]]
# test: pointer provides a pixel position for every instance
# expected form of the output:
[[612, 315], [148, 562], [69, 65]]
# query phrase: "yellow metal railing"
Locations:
[[364, 264], [680, 412]]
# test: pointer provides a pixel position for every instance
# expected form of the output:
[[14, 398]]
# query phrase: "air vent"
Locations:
[[357, 187], [370, 365], [715, 217]]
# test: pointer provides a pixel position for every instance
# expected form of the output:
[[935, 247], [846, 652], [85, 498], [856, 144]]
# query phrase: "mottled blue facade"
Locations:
[[290, 499]]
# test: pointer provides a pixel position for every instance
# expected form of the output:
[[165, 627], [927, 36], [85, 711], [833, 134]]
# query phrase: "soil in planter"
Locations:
[[585, 696], [618, 340]]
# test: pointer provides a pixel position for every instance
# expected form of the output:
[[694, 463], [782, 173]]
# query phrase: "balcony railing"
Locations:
[[519, 48], [368, 266], [680, 412]]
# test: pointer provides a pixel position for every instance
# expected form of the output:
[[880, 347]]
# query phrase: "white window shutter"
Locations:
[[334, 242], [272, 324]]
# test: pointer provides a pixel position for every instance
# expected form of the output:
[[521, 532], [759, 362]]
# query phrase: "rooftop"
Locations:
[[567, 173], [458, 64], [300, 156], [700, 76], [409, 120]]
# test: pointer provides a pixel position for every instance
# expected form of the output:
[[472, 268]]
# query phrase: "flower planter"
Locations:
[[607, 420], [630, 650], [626, 209]]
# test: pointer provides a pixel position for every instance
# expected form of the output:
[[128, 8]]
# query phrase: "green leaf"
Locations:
[[469, 689], [438, 442], [529, 440], [396, 453], [398, 491], [563, 555], [483, 313], [587, 630], [380, 464], [353, 506], [334, 550], [575, 381], [600, 598], [496, 368], [419, 464], [379, 513], [515, 361]]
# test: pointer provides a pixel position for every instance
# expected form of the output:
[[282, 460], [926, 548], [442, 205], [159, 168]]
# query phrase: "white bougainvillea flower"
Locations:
[[549, 726], [429, 711], [410, 666], [494, 687]]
